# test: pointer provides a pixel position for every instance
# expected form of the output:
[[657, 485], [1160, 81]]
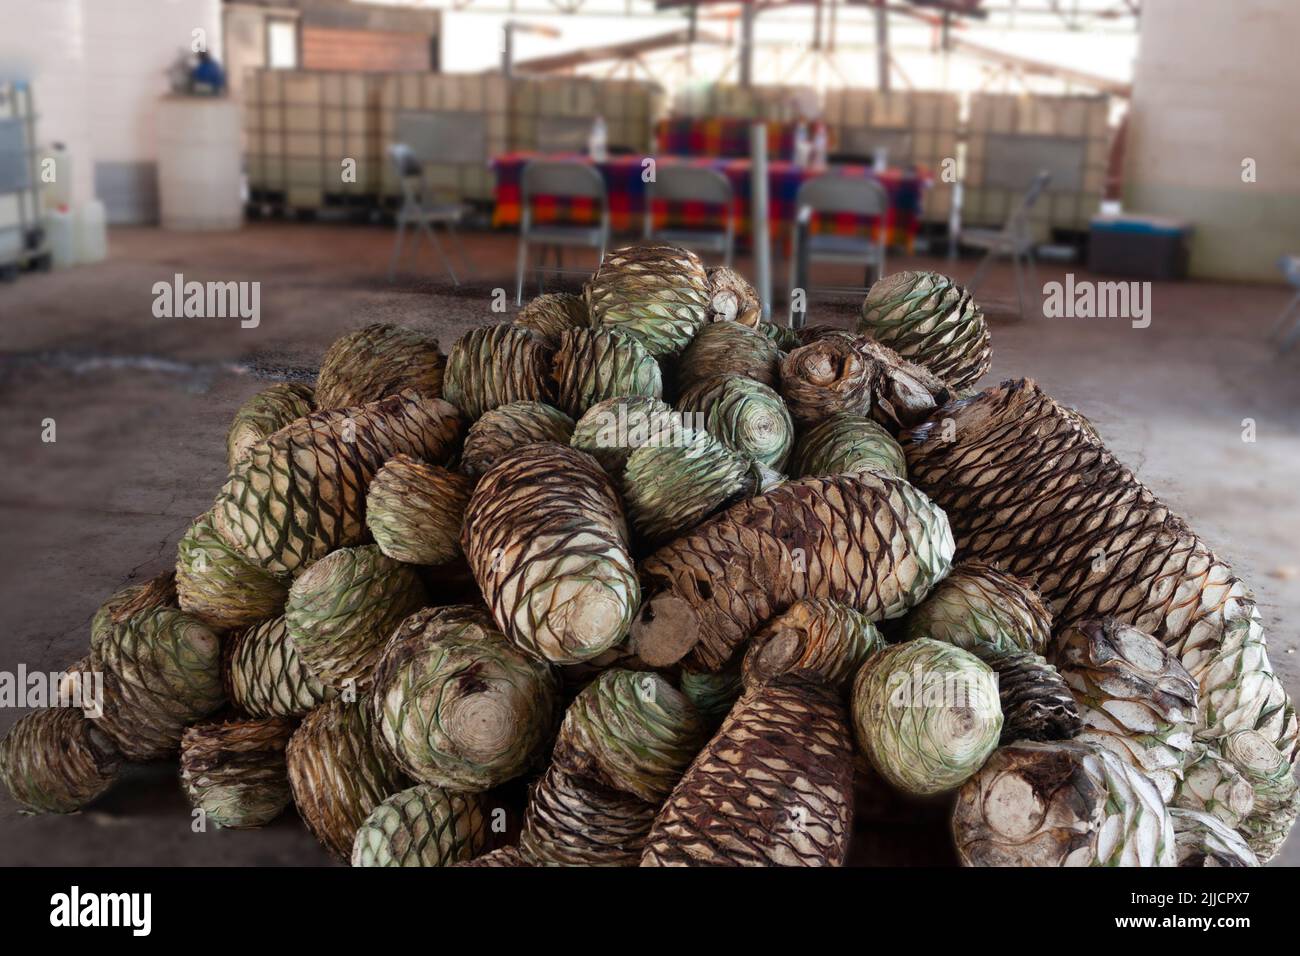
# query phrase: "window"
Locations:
[[282, 44]]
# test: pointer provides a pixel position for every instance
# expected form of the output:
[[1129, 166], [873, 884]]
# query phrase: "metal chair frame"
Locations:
[[568, 178], [693, 184], [1014, 239], [833, 193], [1286, 340], [418, 212]]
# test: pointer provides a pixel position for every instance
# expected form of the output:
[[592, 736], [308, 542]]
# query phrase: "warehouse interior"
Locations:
[[1174, 173]]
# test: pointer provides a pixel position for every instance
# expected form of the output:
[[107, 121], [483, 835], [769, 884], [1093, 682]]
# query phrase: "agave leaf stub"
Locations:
[[1277, 795], [57, 761], [1212, 784], [1136, 699], [826, 376], [342, 609], [773, 788], [422, 826], [548, 544], [458, 705], [511, 426], [376, 361], [1061, 803], [836, 371], [926, 714], [732, 298], [1205, 840], [235, 771], [265, 413]]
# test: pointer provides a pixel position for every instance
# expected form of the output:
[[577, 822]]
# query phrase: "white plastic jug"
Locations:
[[92, 232], [57, 192], [60, 227]]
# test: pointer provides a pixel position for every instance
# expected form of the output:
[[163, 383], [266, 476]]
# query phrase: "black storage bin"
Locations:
[[1142, 247]]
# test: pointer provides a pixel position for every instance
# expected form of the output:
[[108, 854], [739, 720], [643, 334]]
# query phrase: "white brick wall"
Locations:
[[1216, 83], [97, 68]]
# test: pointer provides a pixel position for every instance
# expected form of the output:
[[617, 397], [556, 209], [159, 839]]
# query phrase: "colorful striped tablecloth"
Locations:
[[724, 137], [627, 196]]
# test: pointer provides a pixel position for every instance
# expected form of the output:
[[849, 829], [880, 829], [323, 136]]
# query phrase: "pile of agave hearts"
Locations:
[[642, 578]]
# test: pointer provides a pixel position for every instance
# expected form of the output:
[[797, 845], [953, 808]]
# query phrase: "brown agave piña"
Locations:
[[773, 788], [548, 544], [1027, 489], [301, 493], [866, 540]]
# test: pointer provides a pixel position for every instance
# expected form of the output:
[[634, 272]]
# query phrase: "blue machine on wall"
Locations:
[[198, 74]]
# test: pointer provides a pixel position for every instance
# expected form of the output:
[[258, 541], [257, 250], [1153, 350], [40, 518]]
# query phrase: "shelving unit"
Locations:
[[22, 236]]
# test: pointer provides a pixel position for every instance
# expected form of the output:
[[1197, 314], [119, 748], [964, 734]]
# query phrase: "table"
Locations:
[[627, 197], [725, 137]]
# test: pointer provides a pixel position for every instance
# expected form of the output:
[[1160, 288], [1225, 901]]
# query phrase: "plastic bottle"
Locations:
[[821, 146], [91, 232], [61, 231], [58, 192], [598, 142], [802, 146]]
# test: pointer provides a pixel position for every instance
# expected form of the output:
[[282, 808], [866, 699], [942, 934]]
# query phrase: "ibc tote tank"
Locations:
[[198, 163]]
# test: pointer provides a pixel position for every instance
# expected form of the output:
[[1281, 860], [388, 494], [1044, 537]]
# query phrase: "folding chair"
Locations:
[[417, 211], [678, 184], [567, 179], [1290, 266], [833, 193], [1014, 239]]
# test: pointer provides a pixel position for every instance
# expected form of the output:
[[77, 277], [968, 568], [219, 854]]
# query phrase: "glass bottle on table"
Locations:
[[598, 141], [821, 147], [802, 145]]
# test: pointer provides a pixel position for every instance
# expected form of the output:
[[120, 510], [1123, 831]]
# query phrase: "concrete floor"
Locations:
[[141, 406]]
